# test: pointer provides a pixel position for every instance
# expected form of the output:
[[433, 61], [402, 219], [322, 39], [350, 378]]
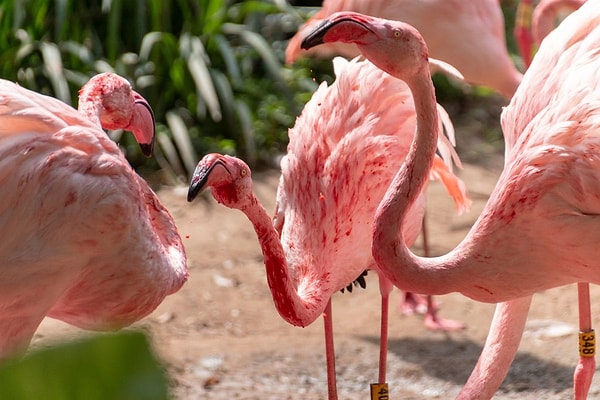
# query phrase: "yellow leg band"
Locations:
[[587, 344], [379, 391]]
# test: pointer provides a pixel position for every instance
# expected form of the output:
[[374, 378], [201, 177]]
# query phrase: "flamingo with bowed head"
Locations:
[[108, 101], [339, 162], [469, 35], [540, 228], [85, 239]]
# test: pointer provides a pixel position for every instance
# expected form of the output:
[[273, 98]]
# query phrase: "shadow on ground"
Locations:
[[452, 360]]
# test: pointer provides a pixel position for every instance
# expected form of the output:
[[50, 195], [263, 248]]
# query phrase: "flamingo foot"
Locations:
[[436, 323], [582, 379], [413, 304], [417, 304]]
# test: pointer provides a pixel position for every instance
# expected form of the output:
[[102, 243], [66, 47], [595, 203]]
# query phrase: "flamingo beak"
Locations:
[[202, 174], [316, 36], [142, 124], [336, 29]]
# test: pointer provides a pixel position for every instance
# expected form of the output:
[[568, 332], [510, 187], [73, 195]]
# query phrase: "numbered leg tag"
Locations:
[[379, 391], [587, 344]]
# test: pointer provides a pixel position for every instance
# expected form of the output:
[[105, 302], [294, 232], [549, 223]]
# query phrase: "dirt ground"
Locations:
[[220, 337]]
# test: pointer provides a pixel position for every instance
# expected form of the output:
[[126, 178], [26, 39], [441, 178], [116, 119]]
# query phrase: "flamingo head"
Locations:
[[110, 98], [228, 178], [394, 46]]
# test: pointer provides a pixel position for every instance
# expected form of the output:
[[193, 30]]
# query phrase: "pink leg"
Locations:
[[385, 287], [330, 352], [584, 371], [498, 351]]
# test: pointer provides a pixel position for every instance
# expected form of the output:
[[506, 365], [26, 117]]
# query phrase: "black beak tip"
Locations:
[[193, 192], [200, 178], [307, 43], [147, 149], [315, 38], [197, 184]]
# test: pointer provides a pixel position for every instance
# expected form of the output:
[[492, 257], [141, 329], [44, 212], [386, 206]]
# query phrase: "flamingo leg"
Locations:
[[380, 389], [383, 338], [330, 353], [385, 288], [584, 371], [498, 351]]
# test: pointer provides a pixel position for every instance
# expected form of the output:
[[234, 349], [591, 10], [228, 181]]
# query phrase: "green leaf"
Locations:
[[170, 154], [245, 117], [225, 94], [151, 39], [199, 70], [261, 46], [78, 50], [182, 140], [54, 68], [215, 14], [117, 367], [233, 70]]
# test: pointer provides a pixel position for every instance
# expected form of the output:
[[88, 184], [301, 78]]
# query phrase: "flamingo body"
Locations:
[[548, 14], [339, 162], [466, 34], [346, 152], [85, 239], [333, 176], [540, 227]]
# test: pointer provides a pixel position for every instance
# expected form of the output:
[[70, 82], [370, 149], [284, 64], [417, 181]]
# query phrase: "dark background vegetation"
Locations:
[[211, 69]]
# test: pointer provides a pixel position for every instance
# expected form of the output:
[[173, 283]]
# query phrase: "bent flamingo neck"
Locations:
[[296, 310], [389, 248], [89, 105]]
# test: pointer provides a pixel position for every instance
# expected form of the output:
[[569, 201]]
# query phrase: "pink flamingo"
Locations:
[[469, 35], [109, 102], [340, 161], [546, 198], [85, 239], [533, 25], [548, 14]]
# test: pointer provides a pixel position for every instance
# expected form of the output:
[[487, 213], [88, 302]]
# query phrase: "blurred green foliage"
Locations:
[[117, 367], [211, 69]]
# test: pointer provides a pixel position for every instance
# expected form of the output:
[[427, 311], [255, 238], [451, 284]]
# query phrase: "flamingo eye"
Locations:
[[243, 172], [397, 34]]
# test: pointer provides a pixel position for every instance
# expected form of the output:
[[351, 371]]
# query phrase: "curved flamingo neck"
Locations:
[[89, 105], [295, 309], [389, 248]]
